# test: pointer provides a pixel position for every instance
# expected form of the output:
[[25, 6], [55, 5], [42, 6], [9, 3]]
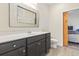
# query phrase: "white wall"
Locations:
[[43, 19], [44, 16], [73, 19], [56, 19]]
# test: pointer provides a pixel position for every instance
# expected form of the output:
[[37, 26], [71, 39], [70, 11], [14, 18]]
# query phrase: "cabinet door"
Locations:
[[36, 48], [65, 28], [33, 49], [12, 53], [42, 48]]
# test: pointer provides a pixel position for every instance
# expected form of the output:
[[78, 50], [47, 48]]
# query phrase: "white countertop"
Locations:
[[10, 36]]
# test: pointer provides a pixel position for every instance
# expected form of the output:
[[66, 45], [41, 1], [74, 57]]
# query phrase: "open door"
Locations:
[[65, 28]]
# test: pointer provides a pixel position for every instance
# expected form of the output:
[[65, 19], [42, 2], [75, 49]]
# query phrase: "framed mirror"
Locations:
[[21, 15]]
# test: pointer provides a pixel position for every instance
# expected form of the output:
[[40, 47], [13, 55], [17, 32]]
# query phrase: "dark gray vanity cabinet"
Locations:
[[37, 45], [13, 48]]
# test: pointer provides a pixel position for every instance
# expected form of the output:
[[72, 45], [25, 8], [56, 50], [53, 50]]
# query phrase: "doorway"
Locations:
[[71, 28]]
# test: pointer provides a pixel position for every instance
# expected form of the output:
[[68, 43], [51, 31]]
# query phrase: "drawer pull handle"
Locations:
[[14, 45]]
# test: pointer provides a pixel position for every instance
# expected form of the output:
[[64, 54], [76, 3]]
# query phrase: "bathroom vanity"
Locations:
[[22, 44]]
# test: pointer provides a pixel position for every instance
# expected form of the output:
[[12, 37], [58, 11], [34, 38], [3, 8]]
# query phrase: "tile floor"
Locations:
[[64, 51]]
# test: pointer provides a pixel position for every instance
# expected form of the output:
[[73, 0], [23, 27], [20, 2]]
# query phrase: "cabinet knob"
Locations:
[[39, 43], [14, 45], [24, 51]]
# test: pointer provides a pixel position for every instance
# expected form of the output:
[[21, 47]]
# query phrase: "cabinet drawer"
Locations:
[[18, 43], [35, 38], [8, 46]]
